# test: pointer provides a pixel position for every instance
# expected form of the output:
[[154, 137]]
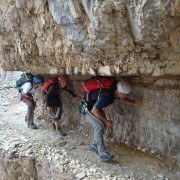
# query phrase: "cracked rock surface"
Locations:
[[121, 37]]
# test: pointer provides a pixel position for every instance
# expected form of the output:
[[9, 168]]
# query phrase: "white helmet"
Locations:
[[123, 87]]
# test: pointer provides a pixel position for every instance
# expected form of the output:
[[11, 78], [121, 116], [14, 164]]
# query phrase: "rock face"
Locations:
[[122, 37]]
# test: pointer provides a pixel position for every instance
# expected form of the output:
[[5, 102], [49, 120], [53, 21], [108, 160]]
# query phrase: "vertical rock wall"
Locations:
[[154, 124]]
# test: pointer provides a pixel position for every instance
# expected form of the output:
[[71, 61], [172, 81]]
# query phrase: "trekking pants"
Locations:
[[98, 131], [30, 110], [56, 113]]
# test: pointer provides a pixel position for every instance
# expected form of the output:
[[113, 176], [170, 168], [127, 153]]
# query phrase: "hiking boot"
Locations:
[[106, 156], [61, 133], [93, 148], [32, 126]]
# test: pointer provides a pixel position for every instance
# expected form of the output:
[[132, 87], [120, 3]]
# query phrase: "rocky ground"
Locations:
[[71, 154]]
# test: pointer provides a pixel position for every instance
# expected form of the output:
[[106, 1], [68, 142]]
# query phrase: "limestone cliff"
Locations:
[[121, 37]]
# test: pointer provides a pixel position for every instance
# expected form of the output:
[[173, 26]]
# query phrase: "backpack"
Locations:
[[25, 77], [97, 83], [49, 82]]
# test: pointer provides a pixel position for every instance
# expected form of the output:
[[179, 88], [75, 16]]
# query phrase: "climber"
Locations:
[[93, 111], [27, 96], [53, 88]]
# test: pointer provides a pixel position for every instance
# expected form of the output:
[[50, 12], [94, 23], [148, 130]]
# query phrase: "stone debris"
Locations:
[[161, 176], [81, 175], [22, 146], [15, 147]]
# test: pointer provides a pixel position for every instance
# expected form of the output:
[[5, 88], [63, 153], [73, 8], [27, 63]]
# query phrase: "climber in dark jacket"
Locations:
[[53, 101]]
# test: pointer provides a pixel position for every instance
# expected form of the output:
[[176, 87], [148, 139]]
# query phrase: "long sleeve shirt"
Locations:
[[53, 96]]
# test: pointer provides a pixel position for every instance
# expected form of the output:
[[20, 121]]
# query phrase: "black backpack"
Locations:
[[25, 77]]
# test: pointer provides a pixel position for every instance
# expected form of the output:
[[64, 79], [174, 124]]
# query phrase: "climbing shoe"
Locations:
[[106, 156], [32, 126], [61, 133]]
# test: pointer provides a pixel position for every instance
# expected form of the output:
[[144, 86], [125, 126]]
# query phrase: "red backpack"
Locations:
[[97, 82], [48, 83]]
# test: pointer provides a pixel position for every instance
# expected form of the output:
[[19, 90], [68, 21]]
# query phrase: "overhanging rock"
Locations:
[[80, 37]]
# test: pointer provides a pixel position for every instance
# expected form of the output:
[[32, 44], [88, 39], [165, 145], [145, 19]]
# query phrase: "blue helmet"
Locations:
[[38, 79]]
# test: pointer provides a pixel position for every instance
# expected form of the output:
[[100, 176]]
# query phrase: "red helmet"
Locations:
[[62, 78]]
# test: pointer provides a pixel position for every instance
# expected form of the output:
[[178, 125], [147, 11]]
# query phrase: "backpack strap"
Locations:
[[86, 97], [99, 93], [48, 83]]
